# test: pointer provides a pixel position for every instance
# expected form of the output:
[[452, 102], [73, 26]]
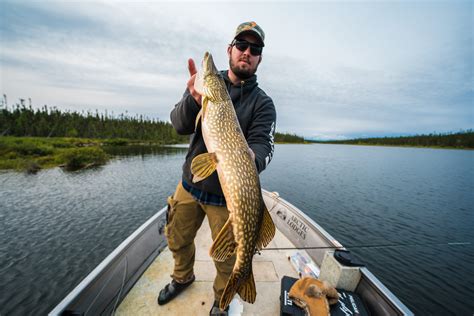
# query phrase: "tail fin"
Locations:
[[246, 290]]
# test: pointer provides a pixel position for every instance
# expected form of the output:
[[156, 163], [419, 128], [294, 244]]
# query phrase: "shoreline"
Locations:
[[31, 154], [401, 146]]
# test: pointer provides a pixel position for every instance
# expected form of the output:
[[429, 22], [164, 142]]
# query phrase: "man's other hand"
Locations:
[[192, 73], [252, 154]]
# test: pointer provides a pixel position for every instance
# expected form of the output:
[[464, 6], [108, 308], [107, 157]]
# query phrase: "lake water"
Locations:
[[57, 226]]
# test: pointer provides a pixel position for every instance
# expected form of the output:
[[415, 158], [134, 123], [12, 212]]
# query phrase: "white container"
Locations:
[[338, 275]]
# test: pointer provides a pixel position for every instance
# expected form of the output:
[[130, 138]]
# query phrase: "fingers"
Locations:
[[193, 91], [191, 67], [252, 154], [191, 81], [190, 84]]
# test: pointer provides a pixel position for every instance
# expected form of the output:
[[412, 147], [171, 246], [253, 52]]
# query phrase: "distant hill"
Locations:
[[461, 139], [23, 121], [288, 138]]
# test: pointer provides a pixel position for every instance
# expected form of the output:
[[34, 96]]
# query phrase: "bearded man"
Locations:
[[191, 202]]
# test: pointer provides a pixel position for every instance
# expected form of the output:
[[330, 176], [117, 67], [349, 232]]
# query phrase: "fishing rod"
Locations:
[[463, 243]]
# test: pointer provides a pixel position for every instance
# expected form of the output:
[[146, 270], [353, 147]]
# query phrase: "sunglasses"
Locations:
[[255, 49]]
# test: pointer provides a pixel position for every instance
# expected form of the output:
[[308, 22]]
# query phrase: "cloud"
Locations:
[[350, 71], [67, 66], [434, 94]]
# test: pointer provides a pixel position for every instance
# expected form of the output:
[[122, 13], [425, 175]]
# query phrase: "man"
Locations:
[[191, 202]]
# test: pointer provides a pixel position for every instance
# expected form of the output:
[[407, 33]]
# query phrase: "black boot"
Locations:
[[216, 311], [171, 290]]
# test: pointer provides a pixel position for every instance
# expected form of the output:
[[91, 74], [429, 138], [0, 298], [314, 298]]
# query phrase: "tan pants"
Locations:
[[185, 216]]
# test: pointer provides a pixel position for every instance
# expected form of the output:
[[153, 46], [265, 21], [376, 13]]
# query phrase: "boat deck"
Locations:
[[269, 268]]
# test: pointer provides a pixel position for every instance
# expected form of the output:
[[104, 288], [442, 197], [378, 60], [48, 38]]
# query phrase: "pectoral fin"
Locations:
[[203, 166], [204, 102], [200, 115], [267, 231], [224, 245], [198, 119]]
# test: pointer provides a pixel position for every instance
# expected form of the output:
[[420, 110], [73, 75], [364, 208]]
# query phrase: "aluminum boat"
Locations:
[[128, 281]]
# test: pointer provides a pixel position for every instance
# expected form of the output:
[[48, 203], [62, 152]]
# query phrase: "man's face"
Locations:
[[243, 64]]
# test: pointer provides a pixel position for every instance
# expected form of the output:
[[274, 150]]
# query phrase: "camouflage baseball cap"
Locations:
[[252, 28]]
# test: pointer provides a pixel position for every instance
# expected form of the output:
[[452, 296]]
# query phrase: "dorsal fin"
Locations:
[[267, 230]]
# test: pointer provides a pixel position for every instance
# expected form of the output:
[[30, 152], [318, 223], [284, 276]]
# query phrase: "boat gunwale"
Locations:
[[372, 280], [330, 239], [378, 286], [105, 264]]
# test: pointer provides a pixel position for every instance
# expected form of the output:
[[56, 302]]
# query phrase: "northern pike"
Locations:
[[250, 226]]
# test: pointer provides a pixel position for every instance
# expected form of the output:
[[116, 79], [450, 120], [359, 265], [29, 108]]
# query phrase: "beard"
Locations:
[[242, 73]]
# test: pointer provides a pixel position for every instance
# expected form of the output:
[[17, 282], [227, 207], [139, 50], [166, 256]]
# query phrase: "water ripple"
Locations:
[[57, 226]]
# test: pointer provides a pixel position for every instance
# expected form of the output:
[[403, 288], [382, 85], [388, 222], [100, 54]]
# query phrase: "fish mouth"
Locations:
[[208, 70], [208, 64]]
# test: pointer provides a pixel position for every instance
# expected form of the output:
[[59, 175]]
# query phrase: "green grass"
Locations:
[[78, 158], [33, 153]]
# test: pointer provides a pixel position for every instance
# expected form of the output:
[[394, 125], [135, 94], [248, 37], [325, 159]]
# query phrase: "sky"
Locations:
[[334, 69]]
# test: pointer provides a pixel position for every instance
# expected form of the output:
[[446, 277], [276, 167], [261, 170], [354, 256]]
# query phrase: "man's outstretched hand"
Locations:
[[192, 73]]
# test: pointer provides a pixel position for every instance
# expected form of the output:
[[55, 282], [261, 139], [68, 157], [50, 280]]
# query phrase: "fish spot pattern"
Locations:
[[236, 171]]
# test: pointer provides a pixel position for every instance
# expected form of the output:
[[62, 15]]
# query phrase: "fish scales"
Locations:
[[229, 154]]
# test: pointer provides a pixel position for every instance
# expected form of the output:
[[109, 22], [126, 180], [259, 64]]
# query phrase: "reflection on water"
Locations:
[[57, 226], [140, 150]]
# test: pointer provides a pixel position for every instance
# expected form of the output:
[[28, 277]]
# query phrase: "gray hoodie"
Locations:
[[257, 117]]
